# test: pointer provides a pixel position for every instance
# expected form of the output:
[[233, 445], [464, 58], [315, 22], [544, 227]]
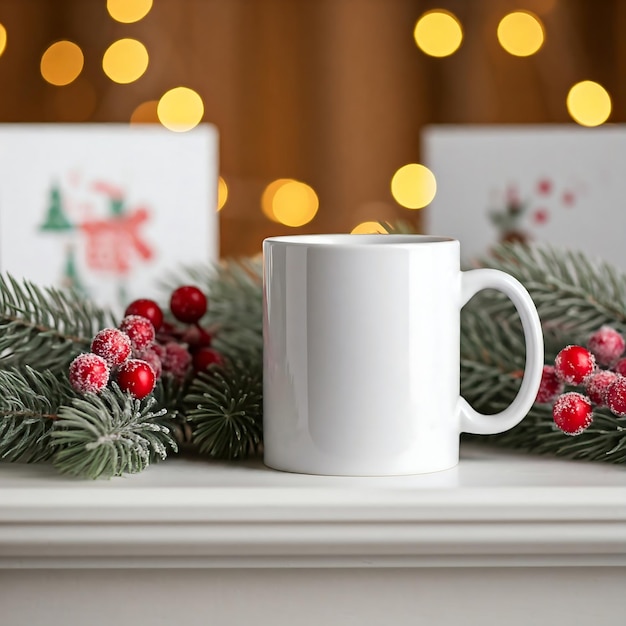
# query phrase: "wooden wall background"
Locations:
[[331, 92]]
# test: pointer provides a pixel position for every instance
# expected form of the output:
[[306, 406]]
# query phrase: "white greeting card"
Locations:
[[561, 184], [107, 209]]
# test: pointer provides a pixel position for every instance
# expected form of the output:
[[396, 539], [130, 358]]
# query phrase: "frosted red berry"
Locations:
[[572, 413], [616, 397], [607, 345], [550, 386], [140, 330], [204, 357], [148, 309], [136, 377], [89, 373], [112, 345], [152, 358], [574, 364], [620, 367], [188, 304], [176, 360], [197, 337], [598, 384]]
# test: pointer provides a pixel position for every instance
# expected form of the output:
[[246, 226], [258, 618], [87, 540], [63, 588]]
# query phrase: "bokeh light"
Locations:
[[521, 33], [145, 113], [413, 186], [125, 60], [368, 228], [222, 193], [267, 198], [3, 39], [61, 63], [293, 203], [438, 33], [589, 103], [128, 11], [180, 109]]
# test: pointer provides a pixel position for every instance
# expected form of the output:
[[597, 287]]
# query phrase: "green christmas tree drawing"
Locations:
[[57, 222]]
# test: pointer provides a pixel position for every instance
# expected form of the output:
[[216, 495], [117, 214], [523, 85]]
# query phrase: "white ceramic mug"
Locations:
[[362, 354]]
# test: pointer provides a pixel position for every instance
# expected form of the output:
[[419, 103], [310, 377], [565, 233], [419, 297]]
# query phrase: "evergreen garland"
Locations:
[[219, 412], [29, 404], [574, 297], [44, 328]]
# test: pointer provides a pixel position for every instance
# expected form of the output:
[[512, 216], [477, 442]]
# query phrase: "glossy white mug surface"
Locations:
[[362, 354]]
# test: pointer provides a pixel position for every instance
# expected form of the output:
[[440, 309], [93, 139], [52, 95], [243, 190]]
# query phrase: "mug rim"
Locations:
[[358, 240]]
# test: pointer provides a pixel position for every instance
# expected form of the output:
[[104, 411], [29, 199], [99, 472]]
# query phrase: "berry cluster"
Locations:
[[601, 372], [144, 347]]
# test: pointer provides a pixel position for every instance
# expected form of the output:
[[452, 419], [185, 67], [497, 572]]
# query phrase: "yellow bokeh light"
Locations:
[[438, 33], [61, 63], [3, 39], [294, 203], [145, 113], [128, 11], [413, 186], [125, 60], [267, 198], [521, 33], [368, 228], [180, 109], [222, 193], [589, 103]]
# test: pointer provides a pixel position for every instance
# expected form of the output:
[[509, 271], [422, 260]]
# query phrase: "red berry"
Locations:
[[616, 397], [148, 309], [152, 358], [197, 337], [620, 367], [89, 373], [188, 304], [205, 357], [136, 377], [139, 329], [598, 385], [112, 345], [574, 364], [607, 345], [176, 360], [550, 386], [572, 413]]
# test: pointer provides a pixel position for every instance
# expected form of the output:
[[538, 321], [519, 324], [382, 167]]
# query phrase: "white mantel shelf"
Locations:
[[496, 509]]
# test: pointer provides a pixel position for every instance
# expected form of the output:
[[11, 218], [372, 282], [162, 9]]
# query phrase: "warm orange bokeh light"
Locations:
[[61, 63], [180, 109], [3, 39], [128, 11], [125, 60], [145, 113]]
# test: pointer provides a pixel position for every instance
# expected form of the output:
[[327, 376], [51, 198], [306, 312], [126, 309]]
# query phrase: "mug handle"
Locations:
[[472, 421]]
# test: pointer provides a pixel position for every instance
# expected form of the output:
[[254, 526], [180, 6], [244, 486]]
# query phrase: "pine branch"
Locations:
[[29, 403], [492, 358], [574, 295], [45, 328], [225, 410], [109, 434]]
